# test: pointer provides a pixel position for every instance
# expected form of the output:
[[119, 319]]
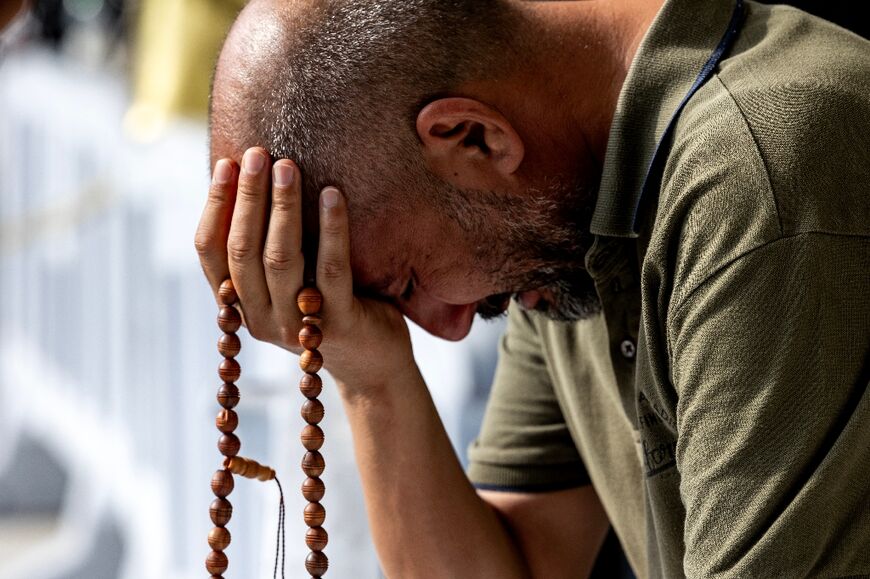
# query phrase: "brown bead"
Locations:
[[229, 345], [316, 563], [313, 489], [221, 511], [314, 514], [312, 320], [229, 370], [229, 445], [227, 293], [229, 319], [312, 437], [309, 300], [228, 395], [311, 385], [222, 483], [312, 411], [313, 463], [316, 538], [311, 361], [217, 562], [219, 539], [227, 421], [310, 337]]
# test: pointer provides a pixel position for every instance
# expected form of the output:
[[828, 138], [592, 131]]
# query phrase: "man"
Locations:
[[675, 193]]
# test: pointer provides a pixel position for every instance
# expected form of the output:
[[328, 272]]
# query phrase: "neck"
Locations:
[[575, 57]]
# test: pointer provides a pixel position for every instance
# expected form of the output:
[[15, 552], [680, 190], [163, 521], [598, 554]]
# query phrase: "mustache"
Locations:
[[494, 306]]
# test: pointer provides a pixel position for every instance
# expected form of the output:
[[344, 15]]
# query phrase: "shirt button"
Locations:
[[628, 349]]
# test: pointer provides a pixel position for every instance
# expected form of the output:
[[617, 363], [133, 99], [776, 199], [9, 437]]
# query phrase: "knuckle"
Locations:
[[217, 195], [285, 202], [279, 260], [251, 191], [239, 251], [203, 241], [331, 268]]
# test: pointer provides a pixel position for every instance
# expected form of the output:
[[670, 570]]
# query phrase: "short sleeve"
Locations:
[[524, 443], [770, 361]]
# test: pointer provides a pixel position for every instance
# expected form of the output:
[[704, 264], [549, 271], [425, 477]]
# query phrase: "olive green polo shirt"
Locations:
[[719, 404]]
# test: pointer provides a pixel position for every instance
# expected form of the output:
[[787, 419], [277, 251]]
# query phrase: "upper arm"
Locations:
[[770, 362], [559, 533]]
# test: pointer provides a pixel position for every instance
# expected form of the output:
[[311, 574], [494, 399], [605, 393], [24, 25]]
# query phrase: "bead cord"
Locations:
[[229, 345], [310, 301]]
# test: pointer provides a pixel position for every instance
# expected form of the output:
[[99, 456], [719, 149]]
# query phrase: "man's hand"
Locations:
[[251, 231]]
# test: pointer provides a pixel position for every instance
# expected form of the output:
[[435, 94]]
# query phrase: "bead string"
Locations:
[[222, 483], [309, 301], [229, 320]]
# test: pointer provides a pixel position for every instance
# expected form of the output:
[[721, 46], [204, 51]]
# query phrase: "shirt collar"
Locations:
[[679, 42]]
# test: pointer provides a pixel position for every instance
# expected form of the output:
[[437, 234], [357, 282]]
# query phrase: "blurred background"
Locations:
[[107, 332]]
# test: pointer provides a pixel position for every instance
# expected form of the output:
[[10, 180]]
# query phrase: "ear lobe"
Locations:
[[468, 143]]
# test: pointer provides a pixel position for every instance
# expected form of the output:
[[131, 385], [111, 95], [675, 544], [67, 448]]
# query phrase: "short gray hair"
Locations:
[[343, 92]]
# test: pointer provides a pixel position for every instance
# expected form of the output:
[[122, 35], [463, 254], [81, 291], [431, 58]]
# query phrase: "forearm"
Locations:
[[426, 518]]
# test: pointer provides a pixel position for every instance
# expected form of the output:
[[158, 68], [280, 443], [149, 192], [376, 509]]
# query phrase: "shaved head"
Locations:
[[336, 85], [339, 86]]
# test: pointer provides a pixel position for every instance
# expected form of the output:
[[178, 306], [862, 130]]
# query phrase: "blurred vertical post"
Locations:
[[177, 42]]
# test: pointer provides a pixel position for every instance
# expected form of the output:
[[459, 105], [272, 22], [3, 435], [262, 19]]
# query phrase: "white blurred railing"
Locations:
[[107, 354]]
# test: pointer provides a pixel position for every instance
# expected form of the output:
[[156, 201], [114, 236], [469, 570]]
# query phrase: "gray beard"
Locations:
[[537, 242]]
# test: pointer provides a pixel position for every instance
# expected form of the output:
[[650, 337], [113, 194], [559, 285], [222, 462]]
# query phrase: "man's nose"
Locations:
[[448, 321]]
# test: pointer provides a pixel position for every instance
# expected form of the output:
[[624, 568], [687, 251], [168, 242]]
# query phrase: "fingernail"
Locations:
[[253, 161], [282, 175], [222, 172], [329, 197]]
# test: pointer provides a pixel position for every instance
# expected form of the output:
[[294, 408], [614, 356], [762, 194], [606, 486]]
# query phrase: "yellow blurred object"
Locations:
[[173, 58]]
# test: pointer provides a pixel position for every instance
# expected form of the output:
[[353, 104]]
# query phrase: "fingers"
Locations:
[[247, 233], [334, 277], [282, 255], [214, 225]]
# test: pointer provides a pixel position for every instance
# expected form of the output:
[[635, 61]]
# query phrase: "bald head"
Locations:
[[336, 84]]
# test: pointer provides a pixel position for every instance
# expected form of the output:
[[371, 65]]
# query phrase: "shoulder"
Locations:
[[802, 85], [776, 144]]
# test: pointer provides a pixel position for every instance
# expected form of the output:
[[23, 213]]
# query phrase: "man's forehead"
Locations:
[[250, 58]]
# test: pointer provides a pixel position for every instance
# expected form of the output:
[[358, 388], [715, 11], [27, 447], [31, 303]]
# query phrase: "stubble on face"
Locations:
[[534, 242]]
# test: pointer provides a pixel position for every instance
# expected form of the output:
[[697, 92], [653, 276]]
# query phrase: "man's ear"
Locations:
[[469, 144]]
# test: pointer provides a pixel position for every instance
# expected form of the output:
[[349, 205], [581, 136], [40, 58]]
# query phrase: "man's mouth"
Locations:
[[529, 299]]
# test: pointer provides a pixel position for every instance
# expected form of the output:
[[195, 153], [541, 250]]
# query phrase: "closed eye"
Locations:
[[409, 289]]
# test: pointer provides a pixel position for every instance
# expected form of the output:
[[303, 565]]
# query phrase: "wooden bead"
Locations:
[[219, 539], [229, 319], [221, 511], [312, 320], [222, 483], [312, 437], [310, 337], [227, 421], [316, 538], [313, 463], [228, 395], [229, 345], [312, 411], [311, 385], [217, 562], [229, 370], [227, 293], [316, 563], [314, 514], [229, 445], [311, 361], [309, 301], [313, 489]]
